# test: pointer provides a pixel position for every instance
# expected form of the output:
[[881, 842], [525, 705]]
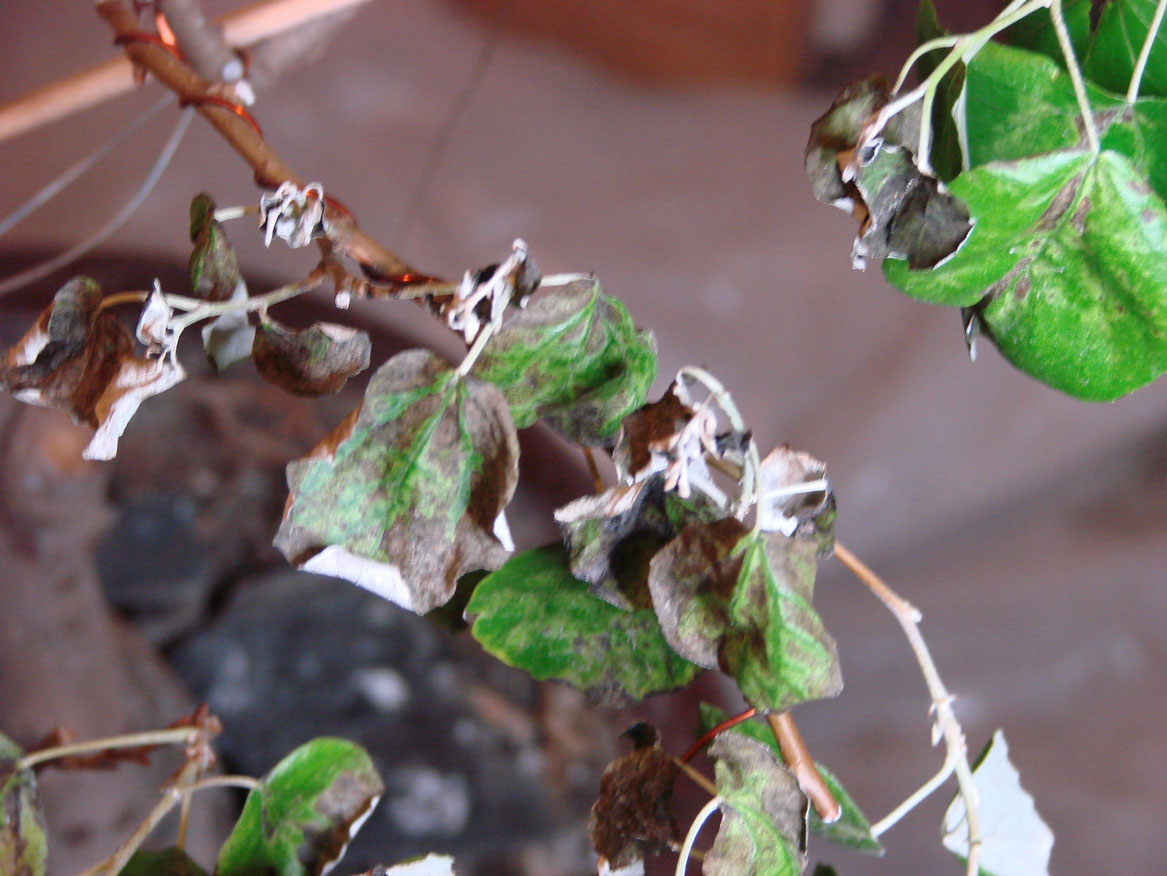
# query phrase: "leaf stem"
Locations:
[[169, 736], [708, 737], [691, 837], [593, 469], [917, 797], [198, 309], [234, 781], [1067, 47], [802, 766], [945, 719], [1132, 92]]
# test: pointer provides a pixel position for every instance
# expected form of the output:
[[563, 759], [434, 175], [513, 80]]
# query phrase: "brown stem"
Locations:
[[269, 168], [801, 764], [593, 469], [696, 776], [696, 747]]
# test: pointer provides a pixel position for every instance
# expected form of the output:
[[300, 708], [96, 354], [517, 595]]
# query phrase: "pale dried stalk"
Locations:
[[241, 29], [957, 750]]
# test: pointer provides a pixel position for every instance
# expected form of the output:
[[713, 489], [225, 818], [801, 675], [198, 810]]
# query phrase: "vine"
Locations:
[[662, 574]]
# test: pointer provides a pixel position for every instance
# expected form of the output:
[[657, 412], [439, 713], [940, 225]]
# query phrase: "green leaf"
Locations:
[[535, 615], [574, 358], [763, 824], [611, 538], [741, 600], [1107, 35], [1015, 841], [305, 811], [166, 862], [214, 270], [23, 846], [851, 829], [946, 155], [402, 498]]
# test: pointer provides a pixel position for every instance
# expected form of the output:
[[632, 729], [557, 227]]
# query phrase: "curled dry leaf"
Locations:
[[314, 361], [795, 498], [214, 270], [484, 294], [612, 537], [430, 865], [295, 215], [632, 817], [741, 600], [78, 358], [402, 499], [902, 212], [764, 814]]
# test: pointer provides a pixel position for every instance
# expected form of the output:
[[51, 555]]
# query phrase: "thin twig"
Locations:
[[1132, 92], [593, 469], [269, 168], [918, 796], [957, 750], [691, 837], [802, 766], [202, 43], [241, 28], [146, 739], [697, 777], [708, 737], [248, 783]]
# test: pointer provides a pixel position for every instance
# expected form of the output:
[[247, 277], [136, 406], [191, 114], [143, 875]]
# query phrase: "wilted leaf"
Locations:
[[763, 822], [850, 829], [632, 817], [23, 846], [741, 600], [573, 358], [69, 355], [314, 361], [1067, 267], [1015, 840], [167, 862], [136, 380], [214, 271], [612, 537], [796, 499], [403, 498], [533, 614], [902, 213], [300, 819], [430, 865]]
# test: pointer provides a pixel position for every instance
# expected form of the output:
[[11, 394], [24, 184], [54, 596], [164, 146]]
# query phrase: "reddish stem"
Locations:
[[696, 747]]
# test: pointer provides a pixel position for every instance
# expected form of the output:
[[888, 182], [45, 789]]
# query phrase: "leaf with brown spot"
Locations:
[[313, 361], [403, 498], [23, 846], [726, 596], [300, 819], [764, 814], [632, 817]]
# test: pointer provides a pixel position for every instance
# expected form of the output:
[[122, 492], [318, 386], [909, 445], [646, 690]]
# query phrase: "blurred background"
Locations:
[[658, 144]]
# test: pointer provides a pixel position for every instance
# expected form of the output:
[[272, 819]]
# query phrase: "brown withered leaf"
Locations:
[[313, 361], [632, 816], [70, 354], [902, 212], [135, 381], [795, 497], [23, 845], [644, 432]]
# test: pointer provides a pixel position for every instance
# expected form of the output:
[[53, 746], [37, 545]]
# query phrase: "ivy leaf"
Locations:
[[535, 615], [300, 819], [1066, 264], [763, 823], [214, 270], [166, 862], [611, 538], [902, 212], [314, 361], [851, 829], [632, 816], [78, 358], [1015, 840], [1036, 31], [402, 497], [573, 358], [741, 600], [23, 847]]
